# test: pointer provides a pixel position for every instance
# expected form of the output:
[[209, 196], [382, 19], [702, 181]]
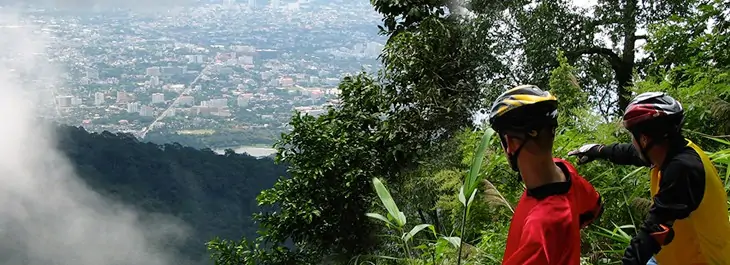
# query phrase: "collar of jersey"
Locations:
[[556, 188]]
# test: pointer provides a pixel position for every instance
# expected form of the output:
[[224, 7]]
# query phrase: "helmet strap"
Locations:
[[644, 150], [513, 157]]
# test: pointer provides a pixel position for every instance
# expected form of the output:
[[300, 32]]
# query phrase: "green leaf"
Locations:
[[718, 140], [471, 198], [407, 236], [454, 240], [470, 184], [462, 197], [379, 217], [388, 202]]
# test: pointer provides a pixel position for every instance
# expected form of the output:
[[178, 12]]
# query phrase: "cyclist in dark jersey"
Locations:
[[688, 221], [558, 202]]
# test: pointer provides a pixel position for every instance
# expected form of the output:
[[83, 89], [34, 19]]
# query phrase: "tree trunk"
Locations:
[[624, 75]]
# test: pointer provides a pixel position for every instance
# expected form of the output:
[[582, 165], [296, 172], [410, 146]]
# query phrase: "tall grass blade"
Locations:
[[462, 197], [407, 236], [388, 202], [380, 217], [725, 142], [470, 184], [454, 240], [634, 172]]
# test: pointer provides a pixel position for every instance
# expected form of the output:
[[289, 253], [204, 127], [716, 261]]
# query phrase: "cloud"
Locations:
[[47, 214]]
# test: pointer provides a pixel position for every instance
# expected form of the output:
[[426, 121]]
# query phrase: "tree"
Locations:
[[410, 124], [386, 126], [564, 85], [534, 31], [691, 61]]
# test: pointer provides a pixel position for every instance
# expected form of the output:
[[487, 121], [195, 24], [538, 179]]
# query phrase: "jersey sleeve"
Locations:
[[542, 237], [622, 154], [588, 200], [681, 190]]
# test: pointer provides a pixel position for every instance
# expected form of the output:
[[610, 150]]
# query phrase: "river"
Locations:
[[251, 150]]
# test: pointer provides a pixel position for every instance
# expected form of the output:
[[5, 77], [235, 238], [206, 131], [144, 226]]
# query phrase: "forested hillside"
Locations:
[[214, 194], [412, 126]]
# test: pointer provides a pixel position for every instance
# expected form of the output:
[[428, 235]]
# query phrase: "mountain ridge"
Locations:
[[214, 194]]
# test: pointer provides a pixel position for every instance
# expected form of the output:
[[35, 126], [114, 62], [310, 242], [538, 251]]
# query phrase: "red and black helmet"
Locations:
[[654, 111]]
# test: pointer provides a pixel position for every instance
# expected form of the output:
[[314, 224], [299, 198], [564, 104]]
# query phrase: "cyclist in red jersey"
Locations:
[[558, 202]]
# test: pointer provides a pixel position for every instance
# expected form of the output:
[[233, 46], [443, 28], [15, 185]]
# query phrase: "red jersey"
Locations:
[[545, 228]]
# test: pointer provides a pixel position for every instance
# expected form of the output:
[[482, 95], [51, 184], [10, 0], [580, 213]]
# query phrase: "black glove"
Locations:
[[587, 153], [647, 243]]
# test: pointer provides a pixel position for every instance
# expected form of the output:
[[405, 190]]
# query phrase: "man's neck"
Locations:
[[660, 152], [541, 173]]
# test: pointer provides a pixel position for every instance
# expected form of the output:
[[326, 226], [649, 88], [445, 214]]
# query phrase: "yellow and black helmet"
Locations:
[[524, 108]]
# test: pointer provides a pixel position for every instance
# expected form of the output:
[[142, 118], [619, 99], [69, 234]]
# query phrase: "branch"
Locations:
[[592, 24], [639, 37], [610, 55]]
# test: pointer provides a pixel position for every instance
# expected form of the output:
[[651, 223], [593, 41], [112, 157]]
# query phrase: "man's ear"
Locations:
[[644, 140], [512, 143]]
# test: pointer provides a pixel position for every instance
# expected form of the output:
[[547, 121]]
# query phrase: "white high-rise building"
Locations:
[[122, 97], [275, 4], [158, 98], [64, 101], [147, 111], [186, 100], [98, 98], [218, 103], [76, 101], [133, 107], [155, 81]]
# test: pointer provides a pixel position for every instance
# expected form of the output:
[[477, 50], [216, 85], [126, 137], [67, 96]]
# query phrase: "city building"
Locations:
[[99, 98], [286, 81], [186, 100], [147, 111], [218, 103], [133, 107], [63, 101], [76, 101], [153, 71], [243, 100], [154, 81], [122, 97], [158, 98]]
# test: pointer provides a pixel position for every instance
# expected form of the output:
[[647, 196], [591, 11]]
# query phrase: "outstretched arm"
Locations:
[[622, 154], [681, 189]]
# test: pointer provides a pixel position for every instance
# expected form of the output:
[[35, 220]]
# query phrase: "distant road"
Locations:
[[167, 111]]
